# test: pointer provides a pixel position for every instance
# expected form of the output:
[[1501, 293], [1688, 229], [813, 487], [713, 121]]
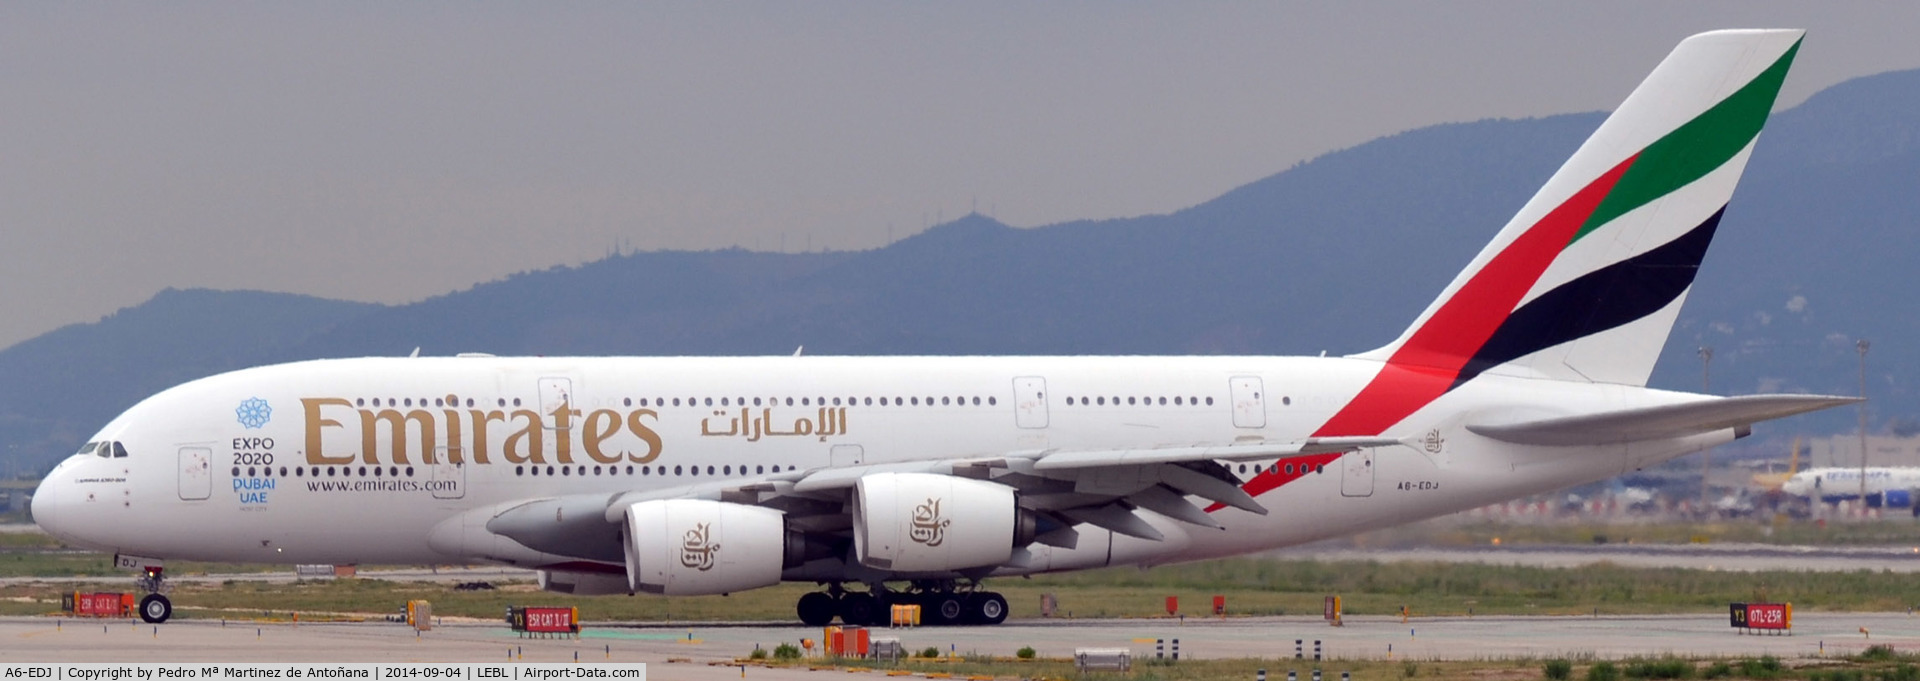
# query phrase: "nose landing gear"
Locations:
[[154, 607]]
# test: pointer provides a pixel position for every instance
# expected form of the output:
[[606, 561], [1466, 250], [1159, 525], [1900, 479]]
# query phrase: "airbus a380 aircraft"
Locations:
[[913, 478]]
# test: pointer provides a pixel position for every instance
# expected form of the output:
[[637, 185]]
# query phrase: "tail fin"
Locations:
[[1585, 282]]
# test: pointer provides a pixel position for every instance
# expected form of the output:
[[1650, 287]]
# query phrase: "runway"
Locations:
[[1724, 557], [41, 639]]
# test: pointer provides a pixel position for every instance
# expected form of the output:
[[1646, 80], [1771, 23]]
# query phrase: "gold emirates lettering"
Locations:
[[526, 443]]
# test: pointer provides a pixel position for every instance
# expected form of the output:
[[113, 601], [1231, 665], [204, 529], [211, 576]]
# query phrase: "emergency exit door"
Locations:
[[196, 473], [555, 392], [1249, 405], [1030, 402], [1356, 475]]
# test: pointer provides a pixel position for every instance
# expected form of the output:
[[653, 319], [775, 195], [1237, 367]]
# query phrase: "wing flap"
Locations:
[[1657, 423]]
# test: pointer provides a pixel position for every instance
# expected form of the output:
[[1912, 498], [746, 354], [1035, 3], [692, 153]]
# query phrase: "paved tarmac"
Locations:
[[43, 639], [1724, 557]]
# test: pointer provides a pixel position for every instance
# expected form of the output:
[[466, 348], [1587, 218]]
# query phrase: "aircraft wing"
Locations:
[[1069, 460], [1101, 487], [1656, 423]]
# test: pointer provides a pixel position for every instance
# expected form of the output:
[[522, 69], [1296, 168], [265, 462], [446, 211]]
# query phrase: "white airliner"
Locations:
[[1889, 486], [911, 479]]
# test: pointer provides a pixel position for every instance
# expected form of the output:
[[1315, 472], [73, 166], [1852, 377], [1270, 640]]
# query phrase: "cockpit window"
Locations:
[[119, 451], [87, 448]]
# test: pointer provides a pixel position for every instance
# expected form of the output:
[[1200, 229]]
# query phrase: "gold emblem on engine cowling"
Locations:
[[928, 527], [697, 549]]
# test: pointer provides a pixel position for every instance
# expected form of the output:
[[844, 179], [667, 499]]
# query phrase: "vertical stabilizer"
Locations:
[[1585, 282]]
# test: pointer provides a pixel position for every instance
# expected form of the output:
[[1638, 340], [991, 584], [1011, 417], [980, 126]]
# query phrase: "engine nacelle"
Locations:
[[583, 583], [922, 522], [694, 547]]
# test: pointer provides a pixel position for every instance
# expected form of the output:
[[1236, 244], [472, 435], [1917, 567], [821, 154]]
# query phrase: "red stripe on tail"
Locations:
[[1423, 369]]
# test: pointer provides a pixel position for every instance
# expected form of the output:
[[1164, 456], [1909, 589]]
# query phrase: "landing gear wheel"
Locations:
[[987, 607], [155, 609], [859, 608], [946, 608], [817, 609]]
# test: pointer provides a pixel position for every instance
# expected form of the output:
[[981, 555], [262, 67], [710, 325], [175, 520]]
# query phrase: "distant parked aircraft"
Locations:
[[1887, 486]]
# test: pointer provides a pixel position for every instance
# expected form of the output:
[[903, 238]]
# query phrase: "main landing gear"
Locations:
[[154, 607], [940, 603]]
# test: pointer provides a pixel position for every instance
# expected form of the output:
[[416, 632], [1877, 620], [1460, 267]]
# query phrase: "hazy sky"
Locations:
[[395, 151]]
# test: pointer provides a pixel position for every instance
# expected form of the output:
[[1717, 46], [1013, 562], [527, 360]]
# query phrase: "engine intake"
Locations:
[[922, 522], [693, 547]]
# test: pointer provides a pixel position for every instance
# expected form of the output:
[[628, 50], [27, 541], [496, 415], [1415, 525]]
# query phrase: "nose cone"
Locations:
[[49, 509], [45, 507]]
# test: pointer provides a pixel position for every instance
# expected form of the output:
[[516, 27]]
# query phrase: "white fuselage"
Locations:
[[302, 463]]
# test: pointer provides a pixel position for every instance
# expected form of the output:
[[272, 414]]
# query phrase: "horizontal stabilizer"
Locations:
[[1658, 423]]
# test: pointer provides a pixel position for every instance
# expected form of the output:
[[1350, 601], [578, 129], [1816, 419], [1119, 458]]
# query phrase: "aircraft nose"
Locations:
[[51, 506]]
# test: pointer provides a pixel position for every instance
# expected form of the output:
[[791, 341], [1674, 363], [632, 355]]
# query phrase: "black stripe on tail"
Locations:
[[1603, 299]]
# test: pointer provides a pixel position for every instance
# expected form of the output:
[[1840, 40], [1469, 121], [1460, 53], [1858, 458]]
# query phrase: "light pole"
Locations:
[[1861, 345], [1706, 455]]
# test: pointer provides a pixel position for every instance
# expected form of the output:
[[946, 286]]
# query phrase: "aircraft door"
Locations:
[[196, 473], [1249, 405], [447, 477], [1030, 401], [1356, 477], [847, 455], [555, 391]]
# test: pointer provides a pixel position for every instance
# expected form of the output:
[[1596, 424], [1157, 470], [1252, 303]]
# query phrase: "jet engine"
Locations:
[[921, 522], [693, 547]]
